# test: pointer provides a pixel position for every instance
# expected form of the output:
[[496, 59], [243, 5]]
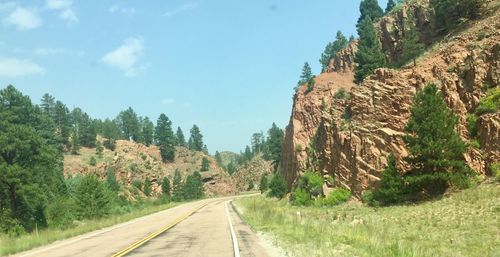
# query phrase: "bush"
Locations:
[[205, 164], [490, 103], [61, 212], [495, 171], [391, 185], [147, 187], [449, 13], [300, 197], [341, 94], [91, 198], [137, 184], [472, 125], [278, 186], [93, 161], [337, 196], [312, 183], [110, 144], [263, 185]]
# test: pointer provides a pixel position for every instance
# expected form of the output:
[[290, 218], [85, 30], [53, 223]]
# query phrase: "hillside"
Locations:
[[350, 136], [134, 161], [247, 177]]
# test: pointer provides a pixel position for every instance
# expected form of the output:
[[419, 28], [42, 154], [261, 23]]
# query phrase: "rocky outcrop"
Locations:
[[350, 138]]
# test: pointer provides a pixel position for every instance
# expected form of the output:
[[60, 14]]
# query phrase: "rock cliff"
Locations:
[[349, 137]]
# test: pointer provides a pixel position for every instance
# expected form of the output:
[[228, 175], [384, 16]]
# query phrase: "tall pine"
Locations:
[[179, 136], [369, 8], [165, 138], [196, 139], [332, 49], [369, 55]]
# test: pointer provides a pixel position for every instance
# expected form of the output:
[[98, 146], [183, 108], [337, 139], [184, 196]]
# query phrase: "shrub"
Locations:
[[278, 186], [205, 164], [300, 197], [110, 144], [490, 103], [472, 125], [61, 212], [391, 185], [93, 161], [147, 187], [111, 180], [137, 184], [337, 196], [263, 185], [312, 183], [298, 148], [495, 171], [341, 94], [91, 198]]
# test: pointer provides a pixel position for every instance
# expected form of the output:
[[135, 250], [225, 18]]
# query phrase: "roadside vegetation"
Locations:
[[461, 224]]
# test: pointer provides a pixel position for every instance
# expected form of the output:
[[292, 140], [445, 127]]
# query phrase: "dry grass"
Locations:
[[463, 224]]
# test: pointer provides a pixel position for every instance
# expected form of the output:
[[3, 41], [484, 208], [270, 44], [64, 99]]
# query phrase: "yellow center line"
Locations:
[[160, 231]]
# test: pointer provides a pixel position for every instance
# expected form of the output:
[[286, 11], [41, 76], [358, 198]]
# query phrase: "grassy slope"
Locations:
[[10, 245], [463, 224]]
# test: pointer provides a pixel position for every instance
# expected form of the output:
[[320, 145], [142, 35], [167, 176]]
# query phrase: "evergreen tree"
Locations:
[[75, 142], [435, 148], [165, 187], [179, 135], [248, 155], [306, 75], [332, 49], [147, 187], [99, 149], [369, 55], [263, 185], [128, 122], [449, 13], [411, 45], [177, 192], [391, 187], [258, 142], [62, 121], [273, 145], [193, 188], [390, 5], [231, 168], [205, 149], [218, 158], [278, 186], [205, 164], [48, 105], [369, 8], [196, 139], [147, 131], [91, 198], [165, 138], [111, 180]]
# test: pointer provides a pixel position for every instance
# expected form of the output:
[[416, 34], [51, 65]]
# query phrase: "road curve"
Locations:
[[192, 231]]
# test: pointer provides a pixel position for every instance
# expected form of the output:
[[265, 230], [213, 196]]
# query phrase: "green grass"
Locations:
[[10, 245], [463, 224]]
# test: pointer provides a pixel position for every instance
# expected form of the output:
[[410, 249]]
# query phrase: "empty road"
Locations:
[[203, 228]]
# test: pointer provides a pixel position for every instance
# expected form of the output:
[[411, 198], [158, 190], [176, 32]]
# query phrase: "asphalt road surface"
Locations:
[[202, 228]]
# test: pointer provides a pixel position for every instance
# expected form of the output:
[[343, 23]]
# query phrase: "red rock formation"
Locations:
[[354, 151]]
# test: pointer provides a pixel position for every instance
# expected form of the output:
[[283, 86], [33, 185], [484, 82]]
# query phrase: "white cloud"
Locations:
[[59, 4], [167, 101], [12, 67], [126, 57], [122, 10], [23, 19], [66, 11], [182, 8], [69, 16]]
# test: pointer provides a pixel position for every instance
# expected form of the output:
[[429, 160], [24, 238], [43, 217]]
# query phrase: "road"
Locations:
[[201, 228]]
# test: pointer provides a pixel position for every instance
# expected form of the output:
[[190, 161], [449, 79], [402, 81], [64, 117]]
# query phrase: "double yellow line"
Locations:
[[155, 234]]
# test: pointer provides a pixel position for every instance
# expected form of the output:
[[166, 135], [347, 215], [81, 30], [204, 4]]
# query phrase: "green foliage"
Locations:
[[310, 84], [205, 164], [390, 5], [263, 184], [218, 159], [177, 194], [472, 125], [272, 150], [91, 198], [179, 137], [495, 170], [391, 187], [111, 180], [312, 183], [332, 49], [165, 138], [99, 149], [300, 197], [195, 141], [231, 168], [75, 142], [306, 75], [61, 212], [369, 55], [490, 103], [129, 124], [165, 187], [337, 196], [449, 13], [369, 8], [258, 142], [147, 131], [193, 187], [278, 186], [411, 44], [341, 94], [110, 144], [147, 187], [298, 148], [137, 184]]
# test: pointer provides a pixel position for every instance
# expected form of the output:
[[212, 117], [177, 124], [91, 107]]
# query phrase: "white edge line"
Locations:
[[233, 235]]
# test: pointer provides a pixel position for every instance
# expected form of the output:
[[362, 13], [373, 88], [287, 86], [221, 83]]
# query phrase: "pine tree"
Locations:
[[435, 148], [99, 150], [411, 45], [196, 139], [91, 198], [332, 49], [48, 105], [263, 185], [147, 187], [218, 158], [205, 164], [369, 8], [278, 186], [391, 187], [369, 55], [273, 145], [177, 192], [111, 180], [165, 138], [258, 142], [147, 131], [62, 120], [165, 187], [390, 5], [128, 122], [75, 142], [193, 188], [179, 135], [306, 75]]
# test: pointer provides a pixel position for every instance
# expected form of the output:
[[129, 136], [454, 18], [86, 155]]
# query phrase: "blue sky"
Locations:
[[228, 66]]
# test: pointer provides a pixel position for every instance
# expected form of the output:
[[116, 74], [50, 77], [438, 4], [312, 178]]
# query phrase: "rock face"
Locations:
[[350, 138]]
